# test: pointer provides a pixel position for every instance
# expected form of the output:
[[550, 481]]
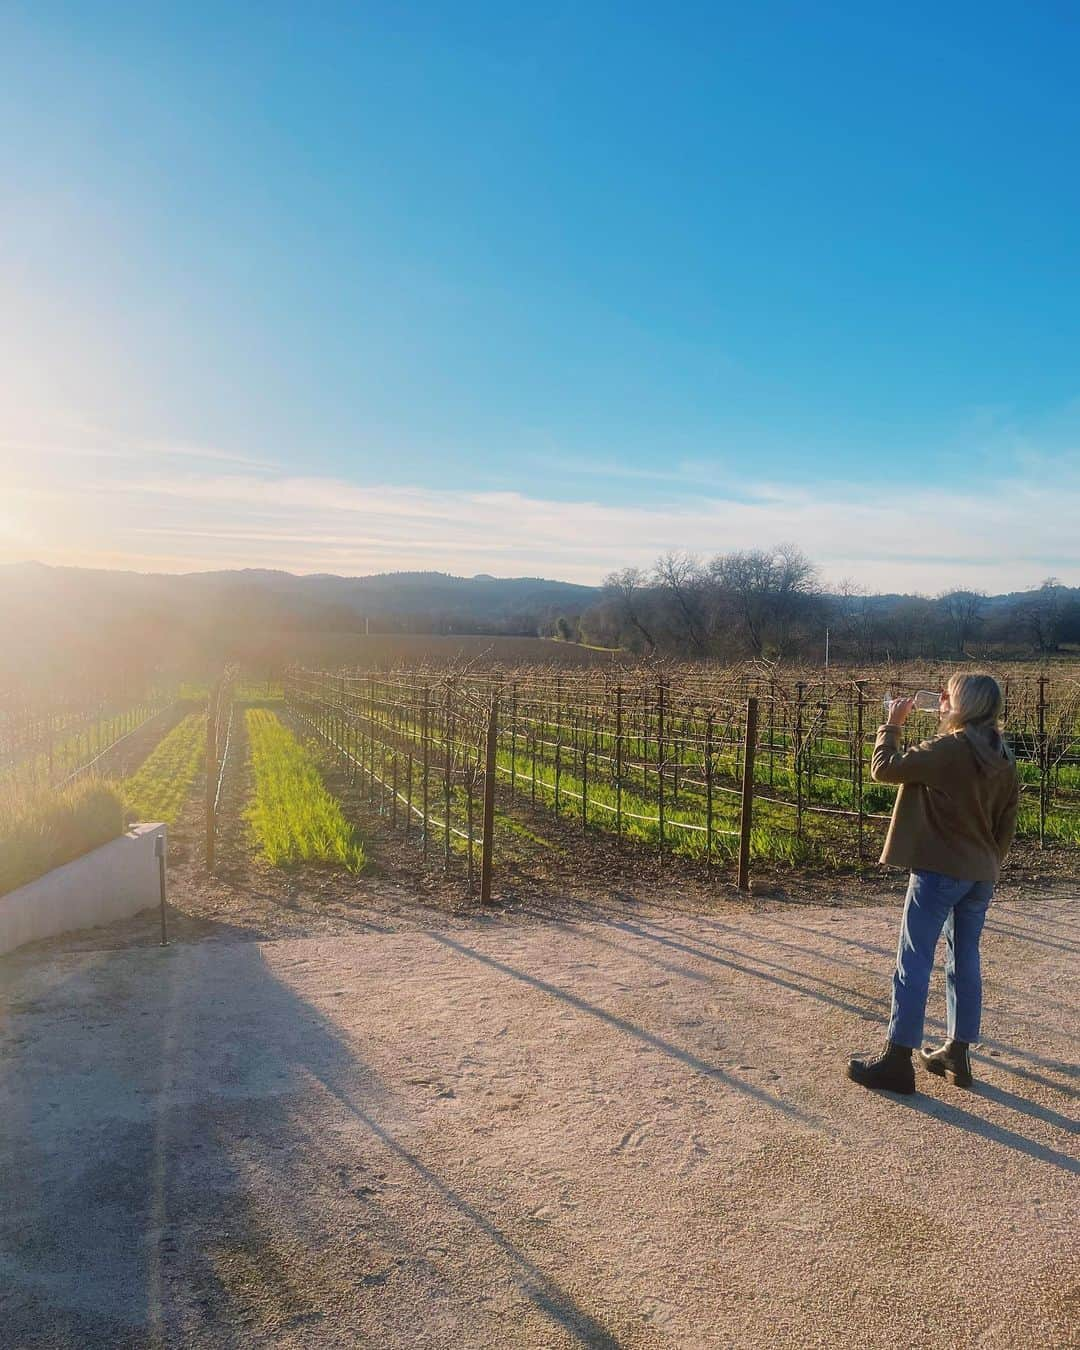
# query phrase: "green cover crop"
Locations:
[[293, 816], [161, 786]]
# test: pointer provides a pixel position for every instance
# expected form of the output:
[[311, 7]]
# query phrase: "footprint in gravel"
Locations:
[[634, 1137], [694, 1155], [446, 1094], [657, 1312]]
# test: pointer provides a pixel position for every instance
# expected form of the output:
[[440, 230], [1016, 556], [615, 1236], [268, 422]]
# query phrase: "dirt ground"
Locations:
[[362, 1118]]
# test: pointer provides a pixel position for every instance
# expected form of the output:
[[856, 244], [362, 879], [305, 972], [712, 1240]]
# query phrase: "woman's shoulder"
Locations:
[[950, 751], [945, 743]]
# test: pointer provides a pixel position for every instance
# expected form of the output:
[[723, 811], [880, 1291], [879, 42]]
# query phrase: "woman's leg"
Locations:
[[930, 899], [963, 973]]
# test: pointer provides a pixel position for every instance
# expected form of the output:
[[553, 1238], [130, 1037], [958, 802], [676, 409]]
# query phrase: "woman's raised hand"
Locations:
[[900, 711]]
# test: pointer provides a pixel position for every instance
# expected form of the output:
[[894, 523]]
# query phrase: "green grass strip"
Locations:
[[159, 789], [293, 816]]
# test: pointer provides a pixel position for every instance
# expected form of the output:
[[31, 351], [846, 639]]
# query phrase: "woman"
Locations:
[[953, 821]]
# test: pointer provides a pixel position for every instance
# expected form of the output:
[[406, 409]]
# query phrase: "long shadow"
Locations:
[[1066, 1070], [843, 1004], [837, 960], [1072, 948], [992, 926], [1038, 916], [871, 947], [330, 1061], [942, 1111], [890, 956], [761, 960], [621, 1024], [578, 931], [118, 1230], [541, 1289], [716, 925], [966, 1120], [1027, 1108], [933, 1024]]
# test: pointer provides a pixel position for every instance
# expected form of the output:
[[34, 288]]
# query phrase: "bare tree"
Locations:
[[854, 617], [1040, 614], [624, 589], [768, 590], [797, 588], [681, 579], [963, 613]]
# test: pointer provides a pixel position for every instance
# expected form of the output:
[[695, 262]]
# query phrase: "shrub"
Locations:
[[43, 828]]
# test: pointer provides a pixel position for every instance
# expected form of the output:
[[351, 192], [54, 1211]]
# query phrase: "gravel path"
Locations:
[[627, 1133]]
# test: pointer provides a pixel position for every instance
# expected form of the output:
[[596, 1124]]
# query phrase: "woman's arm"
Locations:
[[1005, 825], [921, 764]]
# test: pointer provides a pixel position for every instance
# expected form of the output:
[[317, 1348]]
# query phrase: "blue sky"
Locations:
[[544, 290]]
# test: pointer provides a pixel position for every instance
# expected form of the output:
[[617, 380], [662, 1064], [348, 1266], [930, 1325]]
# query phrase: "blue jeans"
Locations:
[[935, 902]]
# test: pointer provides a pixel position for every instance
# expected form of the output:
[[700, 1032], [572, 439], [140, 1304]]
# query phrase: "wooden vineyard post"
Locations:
[[469, 775], [371, 740], [852, 742], [488, 847], [584, 779], [660, 765], [211, 773], [772, 732], [860, 690], [643, 742], [709, 790], [513, 740], [408, 794], [426, 745], [797, 752], [747, 814], [448, 769], [359, 741], [558, 762], [1044, 762], [618, 763]]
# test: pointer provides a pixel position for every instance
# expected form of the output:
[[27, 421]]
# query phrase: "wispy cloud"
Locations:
[[80, 442], [179, 512]]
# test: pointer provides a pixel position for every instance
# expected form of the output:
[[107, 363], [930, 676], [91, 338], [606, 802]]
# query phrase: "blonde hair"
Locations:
[[974, 704]]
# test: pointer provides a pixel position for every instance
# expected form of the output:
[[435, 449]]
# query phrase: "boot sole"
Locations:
[[960, 1080], [879, 1087]]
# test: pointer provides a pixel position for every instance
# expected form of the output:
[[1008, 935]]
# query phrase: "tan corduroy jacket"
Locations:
[[956, 809]]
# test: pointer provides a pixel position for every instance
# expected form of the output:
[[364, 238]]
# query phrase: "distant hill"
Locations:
[[56, 616], [57, 609]]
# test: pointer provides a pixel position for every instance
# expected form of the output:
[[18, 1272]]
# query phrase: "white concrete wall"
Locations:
[[113, 882]]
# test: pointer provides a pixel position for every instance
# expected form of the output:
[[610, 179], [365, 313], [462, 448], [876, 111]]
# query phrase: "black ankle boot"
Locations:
[[952, 1062], [892, 1071]]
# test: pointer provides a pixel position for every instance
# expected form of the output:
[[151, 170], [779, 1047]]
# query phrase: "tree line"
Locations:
[[770, 603]]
